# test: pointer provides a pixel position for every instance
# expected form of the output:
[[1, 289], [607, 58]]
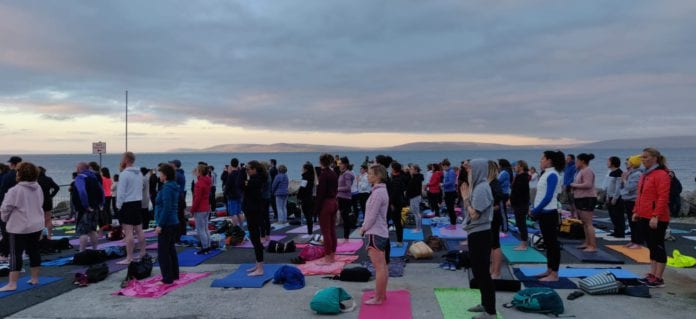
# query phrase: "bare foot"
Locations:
[[634, 246], [9, 287], [124, 262], [252, 269], [33, 281], [374, 301], [590, 250], [549, 278], [495, 276], [583, 246], [544, 274], [256, 273], [520, 247]]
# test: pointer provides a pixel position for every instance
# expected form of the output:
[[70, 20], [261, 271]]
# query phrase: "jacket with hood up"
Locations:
[[481, 198], [21, 208]]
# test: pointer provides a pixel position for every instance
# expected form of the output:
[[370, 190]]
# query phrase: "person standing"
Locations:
[[89, 197], [568, 175], [629, 192], [498, 219], [505, 179], [154, 185], [545, 210], [364, 187], [413, 193], [273, 172], [129, 201], [114, 194], [9, 180], [23, 216], [306, 197], [449, 186], [254, 207], [434, 189], [651, 212], [213, 188], [50, 189], [519, 201], [585, 199], [181, 213], [375, 228], [107, 183], [344, 196], [145, 202], [167, 223], [233, 192], [477, 203], [280, 193], [200, 208], [613, 197], [326, 206], [397, 200], [267, 196]]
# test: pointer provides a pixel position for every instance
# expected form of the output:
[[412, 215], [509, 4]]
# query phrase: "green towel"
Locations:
[[454, 302], [529, 256]]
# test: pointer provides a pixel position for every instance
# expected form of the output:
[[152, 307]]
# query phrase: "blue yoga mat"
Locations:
[[509, 240], [529, 256], [599, 256], [411, 236], [454, 244], [239, 278], [529, 282], [581, 272], [398, 251], [22, 285], [57, 262], [435, 231], [188, 258]]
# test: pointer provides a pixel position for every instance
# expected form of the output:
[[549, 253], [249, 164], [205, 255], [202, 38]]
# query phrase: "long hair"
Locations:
[[661, 160], [557, 159]]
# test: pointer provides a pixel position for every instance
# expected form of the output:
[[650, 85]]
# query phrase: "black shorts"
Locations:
[[378, 242], [586, 203], [132, 213]]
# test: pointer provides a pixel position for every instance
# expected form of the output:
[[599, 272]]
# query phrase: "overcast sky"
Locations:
[[358, 73]]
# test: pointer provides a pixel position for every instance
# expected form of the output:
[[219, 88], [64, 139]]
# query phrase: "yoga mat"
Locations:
[[247, 243], [22, 285], [641, 255], [397, 305], [356, 234], [581, 272], [152, 246], [426, 221], [153, 288], [239, 278], [302, 229], [509, 240], [275, 227], [409, 235], [454, 302], [612, 238], [599, 256], [57, 262], [457, 233], [396, 267], [313, 267], [690, 237], [302, 239], [398, 251], [679, 231], [529, 282], [529, 256], [349, 248], [188, 258]]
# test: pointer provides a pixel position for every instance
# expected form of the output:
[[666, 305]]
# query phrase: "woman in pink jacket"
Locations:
[[200, 208], [375, 228], [22, 211], [585, 199]]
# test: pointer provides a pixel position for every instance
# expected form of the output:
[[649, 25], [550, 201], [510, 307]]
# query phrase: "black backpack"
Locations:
[[675, 189], [278, 247], [459, 258], [237, 235], [355, 274], [50, 246], [97, 273], [140, 269], [89, 257]]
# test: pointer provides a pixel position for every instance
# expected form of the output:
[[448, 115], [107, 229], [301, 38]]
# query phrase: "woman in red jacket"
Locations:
[[651, 211], [434, 190], [200, 208]]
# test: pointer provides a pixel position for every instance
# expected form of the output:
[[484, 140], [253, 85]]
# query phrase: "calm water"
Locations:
[[60, 167]]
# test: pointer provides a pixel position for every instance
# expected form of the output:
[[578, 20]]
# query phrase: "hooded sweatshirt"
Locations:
[[201, 195], [21, 208], [481, 198], [130, 186], [345, 182], [166, 205]]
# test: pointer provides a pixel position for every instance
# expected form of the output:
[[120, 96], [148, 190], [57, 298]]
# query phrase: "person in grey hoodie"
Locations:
[[23, 214], [629, 192], [280, 192], [477, 202]]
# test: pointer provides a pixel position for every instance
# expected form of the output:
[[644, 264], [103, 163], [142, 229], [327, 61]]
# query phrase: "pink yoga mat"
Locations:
[[153, 288], [247, 243], [352, 246], [397, 305], [313, 267], [302, 230]]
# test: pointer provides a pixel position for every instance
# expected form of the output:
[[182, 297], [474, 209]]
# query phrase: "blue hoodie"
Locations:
[[280, 185], [569, 173], [181, 180], [167, 204], [84, 178], [450, 181]]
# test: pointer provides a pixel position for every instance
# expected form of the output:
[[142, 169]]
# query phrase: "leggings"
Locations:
[[255, 223], [434, 202], [202, 228], [655, 239], [327, 222], [480, 254], [450, 197], [265, 219], [107, 205], [637, 236], [496, 224], [344, 205], [19, 243], [281, 207], [395, 215], [166, 253], [548, 222], [521, 221], [308, 211], [415, 209], [616, 214]]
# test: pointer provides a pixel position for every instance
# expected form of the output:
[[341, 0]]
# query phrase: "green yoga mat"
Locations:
[[529, 256], [454, 302]]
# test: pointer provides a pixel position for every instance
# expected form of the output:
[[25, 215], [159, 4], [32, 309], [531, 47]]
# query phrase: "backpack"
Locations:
[[97, 273], [420, 250], [675, 189], [312, 252], [116, 233], [537, 242], [89, 257], [434, 242], [537, 300], [236, 234], [571, 228], [140, 269], [330, 301], [278, 247], [354, 274], [459, 258], [603, 283]]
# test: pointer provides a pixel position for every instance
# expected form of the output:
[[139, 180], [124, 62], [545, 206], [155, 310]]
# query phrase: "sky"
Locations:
[[356, 73]]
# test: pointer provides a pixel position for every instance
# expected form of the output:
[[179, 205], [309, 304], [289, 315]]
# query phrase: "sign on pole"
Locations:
[[99, 148]]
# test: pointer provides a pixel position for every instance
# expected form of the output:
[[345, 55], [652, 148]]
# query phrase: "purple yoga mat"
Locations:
[[247, 243], [302, 229]]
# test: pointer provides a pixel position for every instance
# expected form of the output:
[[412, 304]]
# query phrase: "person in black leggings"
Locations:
[[519, 201], [253, 206], [306, 197]]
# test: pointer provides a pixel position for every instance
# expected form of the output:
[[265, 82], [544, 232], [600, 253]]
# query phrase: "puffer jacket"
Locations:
[[653, 194]]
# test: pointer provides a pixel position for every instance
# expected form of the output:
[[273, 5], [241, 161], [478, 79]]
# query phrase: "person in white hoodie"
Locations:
[[129, 202], [22, 212]]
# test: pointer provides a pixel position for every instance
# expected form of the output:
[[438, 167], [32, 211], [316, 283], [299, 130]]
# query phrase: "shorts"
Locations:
[[132, 213], [586, 203], [234, 207], [377, 242]]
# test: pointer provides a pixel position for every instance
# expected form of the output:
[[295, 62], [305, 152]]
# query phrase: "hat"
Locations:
[[176, 163], [634, 160], [15, 160]]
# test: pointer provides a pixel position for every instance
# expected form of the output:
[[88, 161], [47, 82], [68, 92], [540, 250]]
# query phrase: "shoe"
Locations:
[[477, 308], [452, 267], [646, 279], [655, 282], [392, 228], [444, 266]]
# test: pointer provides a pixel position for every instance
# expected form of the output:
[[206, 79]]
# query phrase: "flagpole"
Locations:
[[126, 120]]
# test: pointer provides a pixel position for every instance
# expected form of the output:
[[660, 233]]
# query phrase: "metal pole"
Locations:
[[126, 120], [100, 159]]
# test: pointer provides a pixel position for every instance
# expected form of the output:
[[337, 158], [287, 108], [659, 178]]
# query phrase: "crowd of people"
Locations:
[[484, 190]]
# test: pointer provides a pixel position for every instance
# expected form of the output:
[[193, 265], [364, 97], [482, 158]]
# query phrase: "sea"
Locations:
[[61, 166]]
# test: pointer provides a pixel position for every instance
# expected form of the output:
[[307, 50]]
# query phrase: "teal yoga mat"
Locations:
[[411, 236], [398, 251], [239, 278], [529, 256], [581, 272], [22, 285]]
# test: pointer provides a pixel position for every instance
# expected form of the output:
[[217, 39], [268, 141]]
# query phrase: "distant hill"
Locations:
[[659, 142]]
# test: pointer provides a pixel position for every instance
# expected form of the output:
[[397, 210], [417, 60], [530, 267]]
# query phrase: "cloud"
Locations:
[[534, 68]]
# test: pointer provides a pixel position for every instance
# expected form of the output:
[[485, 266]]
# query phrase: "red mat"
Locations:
[[397, 305]]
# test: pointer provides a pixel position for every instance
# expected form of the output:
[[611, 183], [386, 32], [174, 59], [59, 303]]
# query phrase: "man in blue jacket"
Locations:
[[449, 186], [568, 176]]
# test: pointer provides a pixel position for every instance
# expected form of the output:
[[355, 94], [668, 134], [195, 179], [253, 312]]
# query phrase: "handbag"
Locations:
[[420, 250], [330, 301], [97, 273], [140, 269], [603, 283]]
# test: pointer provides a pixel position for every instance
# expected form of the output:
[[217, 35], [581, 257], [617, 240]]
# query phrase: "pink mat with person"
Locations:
[[397, 305], [342, 248], [314, 267], [154, 288]]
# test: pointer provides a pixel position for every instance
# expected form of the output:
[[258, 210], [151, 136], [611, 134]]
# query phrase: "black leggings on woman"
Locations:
[[255, 224], [345, 206], [19, 243], [521, 222], [655, 239], [548, 222], [434, 202], [480, 254], [308, 211], [395, 216], [637, 236]]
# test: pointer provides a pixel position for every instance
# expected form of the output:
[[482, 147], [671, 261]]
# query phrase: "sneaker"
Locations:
[[655, 282], [646, 279]]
